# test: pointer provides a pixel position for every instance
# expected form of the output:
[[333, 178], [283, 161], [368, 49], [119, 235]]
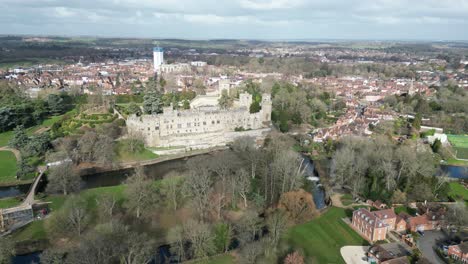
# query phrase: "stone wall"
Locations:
[[203, 127]]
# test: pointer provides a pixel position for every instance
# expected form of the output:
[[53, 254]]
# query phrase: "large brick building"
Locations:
[[370, 225]]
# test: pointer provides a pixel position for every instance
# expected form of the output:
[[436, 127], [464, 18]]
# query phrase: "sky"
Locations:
[[240, 19]]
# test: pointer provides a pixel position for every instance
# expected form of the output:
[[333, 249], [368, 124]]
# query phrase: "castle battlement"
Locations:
[[202, 126]]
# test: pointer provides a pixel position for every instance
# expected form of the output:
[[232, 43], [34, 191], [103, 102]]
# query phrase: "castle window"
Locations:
[[148, 129], [156, 128], [179, 125], [217, 122], [189, 124], [212, 122]]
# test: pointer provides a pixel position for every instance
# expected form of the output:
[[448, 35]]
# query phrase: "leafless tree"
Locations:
[[276, 223], [63, 178], [248, 226], [242, 183], [139, 192], [201, 238], [176, 238], [249, 253], [170, 188], [198, 184], [107, 204]]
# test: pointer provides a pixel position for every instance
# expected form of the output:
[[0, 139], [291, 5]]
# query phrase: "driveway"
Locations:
[[354, 254], [427, 242]]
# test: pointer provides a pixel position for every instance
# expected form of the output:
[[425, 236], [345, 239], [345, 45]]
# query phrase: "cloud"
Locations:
[[63, 12], [299, 19], [271, 4]]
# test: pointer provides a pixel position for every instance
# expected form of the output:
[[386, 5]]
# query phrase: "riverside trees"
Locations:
[[377, 168]]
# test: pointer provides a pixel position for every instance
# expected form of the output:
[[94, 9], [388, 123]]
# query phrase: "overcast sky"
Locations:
[[245, 19]]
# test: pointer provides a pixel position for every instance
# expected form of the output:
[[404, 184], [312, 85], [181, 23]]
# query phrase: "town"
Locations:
[[266, 152]]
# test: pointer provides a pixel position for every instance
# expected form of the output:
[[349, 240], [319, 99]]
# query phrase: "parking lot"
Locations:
[[427, 242]]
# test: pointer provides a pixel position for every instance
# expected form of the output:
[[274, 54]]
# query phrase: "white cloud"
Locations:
[[63, 12], [270, 4]]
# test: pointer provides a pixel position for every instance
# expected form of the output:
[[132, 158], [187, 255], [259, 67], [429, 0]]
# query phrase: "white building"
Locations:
[[198, 63], [158, 58]]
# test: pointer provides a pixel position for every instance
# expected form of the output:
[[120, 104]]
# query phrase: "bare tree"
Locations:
[[77, 216], [176, 238], [248, 226], [201, 238], [458, 215], [170, 188], [277, 223], [294, 258], [249, 253], [63, 178], [198, 184], [139, 192], [107, 204], [138, 250], [242, 183]]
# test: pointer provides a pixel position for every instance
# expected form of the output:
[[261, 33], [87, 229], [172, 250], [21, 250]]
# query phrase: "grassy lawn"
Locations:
[[222, 259], [346, 199], [456, 162], [460, 145], [5, 137], [126, 156], [9, 202], [458, 192], [322, 238], [33, 231], [7, 166], [405, 209]]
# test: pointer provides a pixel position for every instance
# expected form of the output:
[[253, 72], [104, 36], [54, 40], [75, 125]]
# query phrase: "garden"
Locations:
[[460, 145]]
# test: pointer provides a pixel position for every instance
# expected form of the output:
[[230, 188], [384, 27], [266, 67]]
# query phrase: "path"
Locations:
[[29, 200], [354, 254], [15, 152], [336, 201]]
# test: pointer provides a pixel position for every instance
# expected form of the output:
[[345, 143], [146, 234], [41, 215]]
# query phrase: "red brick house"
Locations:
[[387, 216], [371, 227], [459, 252], [400, 224]]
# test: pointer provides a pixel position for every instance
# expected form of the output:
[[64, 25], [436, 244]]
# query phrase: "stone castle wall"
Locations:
[[202, 127]]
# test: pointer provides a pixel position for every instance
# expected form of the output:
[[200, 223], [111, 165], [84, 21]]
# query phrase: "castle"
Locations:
[[204, 125]]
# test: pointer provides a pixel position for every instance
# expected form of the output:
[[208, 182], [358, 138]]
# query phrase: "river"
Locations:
[[155, 171], [458, 172]]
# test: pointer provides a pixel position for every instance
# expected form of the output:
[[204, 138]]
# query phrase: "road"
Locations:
[[427, 242]]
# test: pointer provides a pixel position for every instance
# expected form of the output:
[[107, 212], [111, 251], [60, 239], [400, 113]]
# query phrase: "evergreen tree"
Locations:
[[152, 103], [20, 139], [55, 103]]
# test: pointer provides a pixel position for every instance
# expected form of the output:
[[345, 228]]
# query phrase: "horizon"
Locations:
[[426, 20], [292, 40]]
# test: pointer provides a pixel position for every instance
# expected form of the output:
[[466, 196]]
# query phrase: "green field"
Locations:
[[126, 156], [9, 202], [322, 238], [347, 199], [7, 166], [458, 192], [460, 145], [5, 138]]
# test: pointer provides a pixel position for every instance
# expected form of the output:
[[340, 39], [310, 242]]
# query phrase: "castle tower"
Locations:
[[266, 107]]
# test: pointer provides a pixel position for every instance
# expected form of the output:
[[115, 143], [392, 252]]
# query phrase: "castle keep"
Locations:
[[204, 125]]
